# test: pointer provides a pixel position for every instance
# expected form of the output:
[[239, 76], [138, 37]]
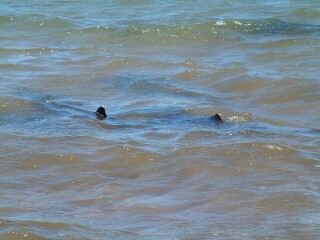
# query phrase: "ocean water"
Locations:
[[159, 167]]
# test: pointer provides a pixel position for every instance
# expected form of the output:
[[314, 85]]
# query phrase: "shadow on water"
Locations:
[[54, 116], [271, 26]]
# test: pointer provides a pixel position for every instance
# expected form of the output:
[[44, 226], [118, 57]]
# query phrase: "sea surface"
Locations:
[[159, 166]]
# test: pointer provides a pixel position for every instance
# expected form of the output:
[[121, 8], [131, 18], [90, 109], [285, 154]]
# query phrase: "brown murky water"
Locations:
[[159, 167]]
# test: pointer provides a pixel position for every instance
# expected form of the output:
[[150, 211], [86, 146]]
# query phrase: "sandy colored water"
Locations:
[[159, 167]]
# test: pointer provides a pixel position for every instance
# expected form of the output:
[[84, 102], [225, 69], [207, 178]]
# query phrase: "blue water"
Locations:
[[159, 167]]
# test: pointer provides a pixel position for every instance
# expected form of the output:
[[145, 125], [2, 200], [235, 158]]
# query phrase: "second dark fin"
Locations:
[[217, 117]]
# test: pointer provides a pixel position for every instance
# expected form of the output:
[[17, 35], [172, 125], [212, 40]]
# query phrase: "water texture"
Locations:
[[159, 167]]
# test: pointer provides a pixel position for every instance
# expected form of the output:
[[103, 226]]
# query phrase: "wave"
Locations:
[[307, 13], [37, 20], [218, 30], [272, 25]]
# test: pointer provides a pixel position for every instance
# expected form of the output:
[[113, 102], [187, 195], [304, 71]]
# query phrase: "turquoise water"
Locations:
[[159, 167]]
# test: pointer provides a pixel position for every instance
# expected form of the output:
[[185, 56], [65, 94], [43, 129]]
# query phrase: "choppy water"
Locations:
[[159, 167]]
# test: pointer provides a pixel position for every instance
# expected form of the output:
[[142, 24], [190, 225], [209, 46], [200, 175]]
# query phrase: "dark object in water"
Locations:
[[217, 117], [101, 113]]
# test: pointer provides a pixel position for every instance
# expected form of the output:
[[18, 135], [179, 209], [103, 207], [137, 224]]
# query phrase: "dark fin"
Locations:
[[101, 113], [217, 117]]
